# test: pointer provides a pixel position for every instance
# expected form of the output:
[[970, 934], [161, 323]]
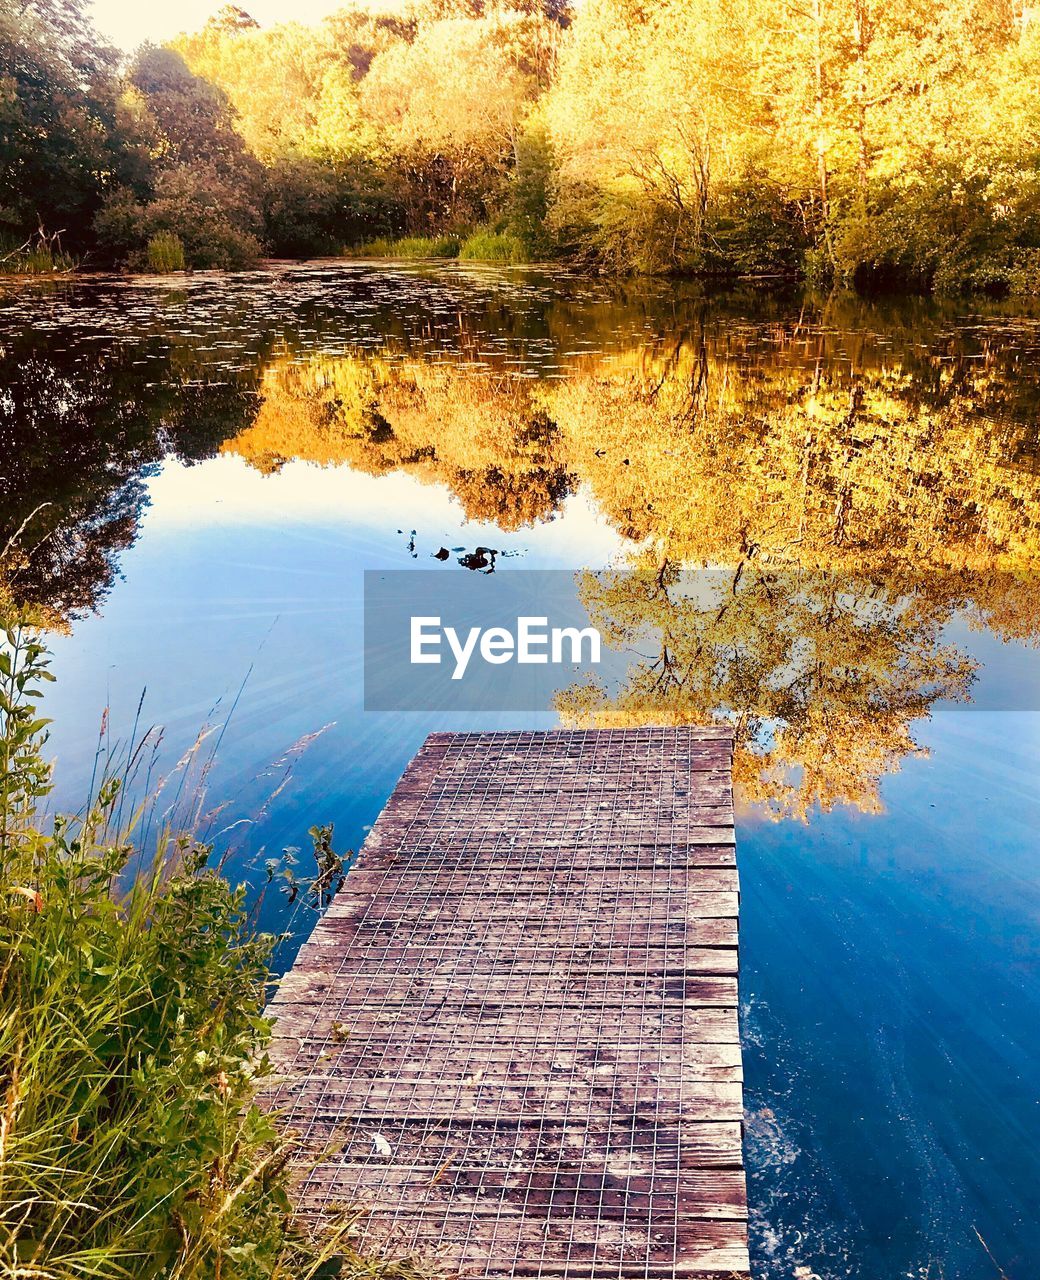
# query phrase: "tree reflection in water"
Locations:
[[847, 479]]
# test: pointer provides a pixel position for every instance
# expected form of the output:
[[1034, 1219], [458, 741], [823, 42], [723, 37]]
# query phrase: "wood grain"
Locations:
[[512, 1039]]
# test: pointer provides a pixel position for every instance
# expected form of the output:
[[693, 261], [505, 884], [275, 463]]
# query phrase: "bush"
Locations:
[[217, 224], [1023, 276], [754, 231], [165, 252], [941, 234], [632, 234], [527, 205], [315, 207], [817, 267], [750, 230], [485, 245], [303, 212]]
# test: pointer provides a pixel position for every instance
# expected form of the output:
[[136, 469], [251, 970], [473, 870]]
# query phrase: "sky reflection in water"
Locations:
[[225, 458]]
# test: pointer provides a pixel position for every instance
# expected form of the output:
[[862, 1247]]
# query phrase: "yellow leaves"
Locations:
[[821, 675], [783, 93], [340, 129], [681, 450], [477, 106], [272, 76], [863, 508], [479, 434]]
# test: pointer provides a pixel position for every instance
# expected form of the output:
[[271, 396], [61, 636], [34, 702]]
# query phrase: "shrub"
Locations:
[[1023, 275], [485, 245], [817, 267], [632, 234], [754, 231], [216, 223], [303, 208], [527, 204], [165, 252], [314, 207]]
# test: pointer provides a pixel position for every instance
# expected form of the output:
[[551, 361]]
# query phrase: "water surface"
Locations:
[[205, 466]]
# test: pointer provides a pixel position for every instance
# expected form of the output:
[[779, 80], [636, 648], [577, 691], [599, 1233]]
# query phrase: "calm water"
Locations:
[[220, 460]]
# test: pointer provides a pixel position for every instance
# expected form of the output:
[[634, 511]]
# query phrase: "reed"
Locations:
[[410, 247]]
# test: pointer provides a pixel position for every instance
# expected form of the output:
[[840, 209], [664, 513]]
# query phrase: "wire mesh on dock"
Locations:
[[517, 1022]]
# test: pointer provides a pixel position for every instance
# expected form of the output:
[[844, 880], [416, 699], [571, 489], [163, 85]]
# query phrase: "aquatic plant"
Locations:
[[411, 247], [40, 255]]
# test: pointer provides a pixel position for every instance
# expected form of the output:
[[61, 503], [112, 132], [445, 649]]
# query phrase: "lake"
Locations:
[[203, 467]]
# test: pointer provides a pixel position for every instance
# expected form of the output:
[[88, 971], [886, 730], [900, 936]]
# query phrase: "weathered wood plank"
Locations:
[[455, 881], [545, 907], [543, 1143], [644, 1095], [656, 957], [414, 856], [568, 1190], [305, 1012], [514, 1033]]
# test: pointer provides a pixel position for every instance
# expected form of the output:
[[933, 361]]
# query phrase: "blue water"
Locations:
[[890, 989], [890, 992], [891, 1012]]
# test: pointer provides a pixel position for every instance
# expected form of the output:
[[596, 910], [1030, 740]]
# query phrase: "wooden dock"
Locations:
[[517, 1022]]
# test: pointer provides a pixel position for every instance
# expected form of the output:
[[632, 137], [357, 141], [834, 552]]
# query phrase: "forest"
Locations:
[[847, 141]]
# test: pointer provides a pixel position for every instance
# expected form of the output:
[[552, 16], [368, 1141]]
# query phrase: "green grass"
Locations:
[[165, 253], [410, 247], [132, 1039], [485, 245], [481, 245], [34, 260]]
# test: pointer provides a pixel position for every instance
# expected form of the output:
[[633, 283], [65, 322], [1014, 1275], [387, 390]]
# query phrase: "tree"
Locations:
[[657, 115], [271, 79], [822, 677], [315, 206], [490, 443], [79, 438], [204, 186], [59, 137], [456, 137]]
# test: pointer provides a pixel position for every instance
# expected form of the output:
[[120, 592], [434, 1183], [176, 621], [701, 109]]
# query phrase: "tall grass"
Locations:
[[481, 245], [486, 245], [411, 247], [132, 1043], [36, 257], [165, 253]]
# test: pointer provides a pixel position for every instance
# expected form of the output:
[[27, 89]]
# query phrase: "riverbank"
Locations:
[[1019, 288], [133, 1040]]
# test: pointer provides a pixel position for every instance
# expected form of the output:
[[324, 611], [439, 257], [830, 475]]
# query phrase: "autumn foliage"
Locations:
[[837, 139]]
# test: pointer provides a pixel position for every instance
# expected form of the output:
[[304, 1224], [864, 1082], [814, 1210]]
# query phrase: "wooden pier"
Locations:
[[514, 1033]]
